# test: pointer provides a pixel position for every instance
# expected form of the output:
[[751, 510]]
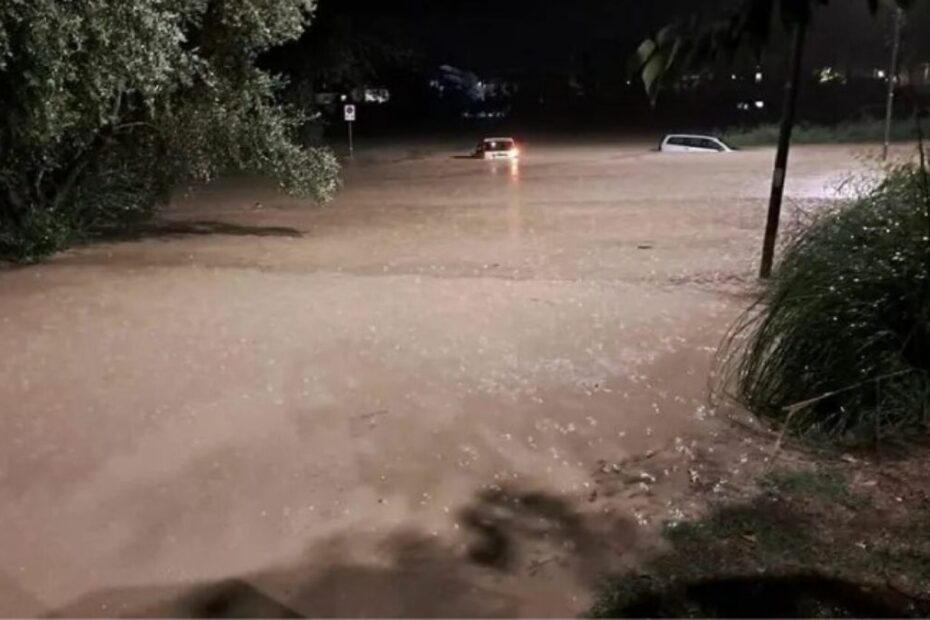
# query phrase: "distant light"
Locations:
[[344, 97], [880, 74], [827, 75], [377, 95], [760, 105], [759, 77], [733, 77]]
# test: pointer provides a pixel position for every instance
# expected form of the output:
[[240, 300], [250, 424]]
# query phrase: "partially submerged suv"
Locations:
[[686, 143], [497, 148]]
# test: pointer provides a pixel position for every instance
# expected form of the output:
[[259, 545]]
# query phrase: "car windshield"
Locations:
[[497, 145]]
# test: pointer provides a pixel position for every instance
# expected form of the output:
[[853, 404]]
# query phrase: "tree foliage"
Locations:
[[347, 52], [352, 45], [106, 105]]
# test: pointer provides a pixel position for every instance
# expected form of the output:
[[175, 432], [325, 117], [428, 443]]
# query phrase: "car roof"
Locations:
[[498, 140], [690, 135]]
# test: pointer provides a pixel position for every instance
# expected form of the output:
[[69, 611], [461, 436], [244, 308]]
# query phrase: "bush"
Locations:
[[863, 130], [844, 325], [37, 233]]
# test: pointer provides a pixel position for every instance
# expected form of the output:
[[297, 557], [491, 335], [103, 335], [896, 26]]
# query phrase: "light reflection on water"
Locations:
[[515, 214], [512, 167]]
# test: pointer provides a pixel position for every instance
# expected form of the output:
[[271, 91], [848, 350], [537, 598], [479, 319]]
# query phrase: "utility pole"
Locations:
[[893, 78], [789, 111]]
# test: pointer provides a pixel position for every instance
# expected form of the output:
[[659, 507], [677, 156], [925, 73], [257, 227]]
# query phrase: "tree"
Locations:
[[351, 45], [693, 42], [105, 105]]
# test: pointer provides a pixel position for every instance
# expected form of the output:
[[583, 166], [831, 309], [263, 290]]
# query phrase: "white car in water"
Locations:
[[497, 148], [687, 143]]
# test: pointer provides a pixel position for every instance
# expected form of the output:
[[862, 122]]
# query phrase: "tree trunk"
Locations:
[[11, 207], [792, 87]]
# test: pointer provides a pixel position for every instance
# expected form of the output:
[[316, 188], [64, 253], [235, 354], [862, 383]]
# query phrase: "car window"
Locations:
[[712, 145], [676, 141], [499, 145]]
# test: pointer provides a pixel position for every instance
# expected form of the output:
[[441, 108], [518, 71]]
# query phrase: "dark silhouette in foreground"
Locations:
[[793, 596], [508, 534]]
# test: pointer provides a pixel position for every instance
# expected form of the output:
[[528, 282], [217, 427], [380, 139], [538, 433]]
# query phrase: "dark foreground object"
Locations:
[[793, 596]]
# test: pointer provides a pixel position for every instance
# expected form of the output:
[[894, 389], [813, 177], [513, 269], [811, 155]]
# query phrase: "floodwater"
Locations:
[[389, 406]]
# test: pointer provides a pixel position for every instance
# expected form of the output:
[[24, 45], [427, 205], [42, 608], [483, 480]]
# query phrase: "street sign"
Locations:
[[349, 114]]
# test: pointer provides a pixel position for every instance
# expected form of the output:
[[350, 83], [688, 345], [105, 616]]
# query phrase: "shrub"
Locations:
[[844, 324], [863, 130]]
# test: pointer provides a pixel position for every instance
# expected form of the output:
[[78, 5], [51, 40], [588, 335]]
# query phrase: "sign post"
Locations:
[[349, 114]]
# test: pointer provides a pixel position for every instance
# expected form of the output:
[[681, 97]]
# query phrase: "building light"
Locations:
[[826, 75], [759, 77], [377, 95]]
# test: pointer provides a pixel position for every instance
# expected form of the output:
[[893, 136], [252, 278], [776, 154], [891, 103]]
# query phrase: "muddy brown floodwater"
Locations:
[[395, 405]]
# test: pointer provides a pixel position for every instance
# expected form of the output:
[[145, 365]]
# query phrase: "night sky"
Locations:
[[501, 36], [512, 35], [534, 34]]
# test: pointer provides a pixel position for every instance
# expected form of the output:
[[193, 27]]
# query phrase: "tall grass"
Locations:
[[838, 345], [859, 131]]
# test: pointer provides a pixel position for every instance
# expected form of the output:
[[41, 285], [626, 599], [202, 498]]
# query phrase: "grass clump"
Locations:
[[826, 484], [838, 345], [797, 549], [858, 131]]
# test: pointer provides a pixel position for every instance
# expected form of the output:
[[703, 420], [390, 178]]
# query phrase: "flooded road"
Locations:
[[389, 406]]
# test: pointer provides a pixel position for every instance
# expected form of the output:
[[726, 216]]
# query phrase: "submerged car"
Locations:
[[497, 148], [686, 143]]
